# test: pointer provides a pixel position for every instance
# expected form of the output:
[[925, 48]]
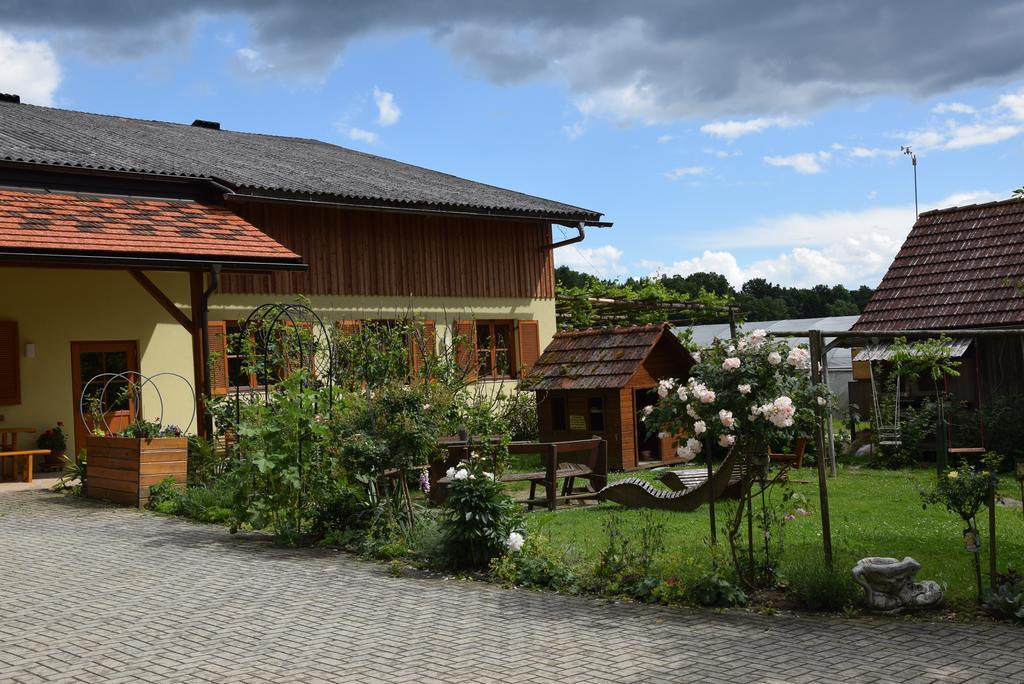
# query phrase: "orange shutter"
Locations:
[[349, 328], [218, 332], [10, 356], [422, 342], [465, 348], [529, 346]]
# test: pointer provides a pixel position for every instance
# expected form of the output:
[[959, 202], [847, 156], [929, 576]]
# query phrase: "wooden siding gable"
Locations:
[[368, 253]]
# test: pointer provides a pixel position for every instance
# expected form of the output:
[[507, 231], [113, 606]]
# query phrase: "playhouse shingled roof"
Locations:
[[958, 268], [296, 168], [595, 358]]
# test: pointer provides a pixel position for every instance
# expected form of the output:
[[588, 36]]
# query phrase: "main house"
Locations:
[[132, 245]]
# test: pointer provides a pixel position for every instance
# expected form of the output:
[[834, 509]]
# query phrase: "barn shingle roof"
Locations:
[[956, 269], [254, 163], [60, 223], [596, 358]]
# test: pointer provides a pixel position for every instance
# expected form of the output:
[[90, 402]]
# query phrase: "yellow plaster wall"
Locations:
[[54, 307], [444, 311]]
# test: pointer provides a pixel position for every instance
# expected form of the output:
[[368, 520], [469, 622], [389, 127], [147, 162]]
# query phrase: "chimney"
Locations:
[[10, 97], [201, 123]]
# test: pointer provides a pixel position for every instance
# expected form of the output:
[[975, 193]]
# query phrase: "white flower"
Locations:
[[694, 445], [648, 410], [514, 542], [799, 358], [662, 435], [744, 389], [450, 473], [681, 392], [684, 453], [726, 418], [426, 407], [726, 440], [779, 412], [696, 356], [822, 401], [489, 476], [699, 427], [662, 391], [461, 474], [692, 412], [665, 386], [731, 363], [774, 358]]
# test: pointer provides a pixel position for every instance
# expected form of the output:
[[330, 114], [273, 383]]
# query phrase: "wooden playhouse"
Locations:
[[595, 382]]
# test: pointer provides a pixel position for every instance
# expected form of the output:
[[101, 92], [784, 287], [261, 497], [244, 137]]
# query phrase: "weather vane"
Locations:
[[905, 149]]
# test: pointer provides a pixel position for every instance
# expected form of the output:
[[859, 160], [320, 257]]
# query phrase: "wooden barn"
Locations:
[[595, 382]]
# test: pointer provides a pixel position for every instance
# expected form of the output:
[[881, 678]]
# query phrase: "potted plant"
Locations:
[[56, 440], [123, 467]]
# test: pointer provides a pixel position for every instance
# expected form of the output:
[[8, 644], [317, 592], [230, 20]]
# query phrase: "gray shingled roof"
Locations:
[[250, 162]]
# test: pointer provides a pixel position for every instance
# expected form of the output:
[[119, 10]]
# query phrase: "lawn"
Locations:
[[874, 513]]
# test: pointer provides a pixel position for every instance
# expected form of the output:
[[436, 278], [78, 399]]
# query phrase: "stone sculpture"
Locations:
[[889, 584]]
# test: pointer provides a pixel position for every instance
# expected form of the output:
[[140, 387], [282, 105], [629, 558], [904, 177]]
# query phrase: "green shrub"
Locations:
[[478, 516], [539, 565], [165, 497], [713, 590], [210, 504], [1008, 598], [816, 588], [205, 465], [626, 560]]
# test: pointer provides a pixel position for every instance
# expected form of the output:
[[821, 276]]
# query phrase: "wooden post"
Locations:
[[711, 491], [992, 533], [832, 467], [819, 443], [732, 322], [198, 331]]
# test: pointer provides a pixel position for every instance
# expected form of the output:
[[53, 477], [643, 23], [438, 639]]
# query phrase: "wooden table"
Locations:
[[9, 442]]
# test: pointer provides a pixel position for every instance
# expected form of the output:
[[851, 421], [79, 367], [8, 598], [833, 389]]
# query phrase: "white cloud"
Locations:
[[388, 113], [730, 130], [872, 152], [574, 131], [363, 135], [802, 162], [963, 137], [722, 154], [848, 247], [662, 139], [604, 261], [250, 62], [28, 68], [953, 108], [684, 171]]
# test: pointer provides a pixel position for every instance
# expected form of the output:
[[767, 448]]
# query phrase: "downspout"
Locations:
[[204, 316], [571, 241]]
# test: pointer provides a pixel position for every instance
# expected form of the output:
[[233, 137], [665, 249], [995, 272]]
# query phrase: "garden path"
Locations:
[[93, 593]]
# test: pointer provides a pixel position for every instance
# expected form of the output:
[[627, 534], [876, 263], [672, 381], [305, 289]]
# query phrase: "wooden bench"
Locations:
[[796, 457], [25, 459], [594, 470]]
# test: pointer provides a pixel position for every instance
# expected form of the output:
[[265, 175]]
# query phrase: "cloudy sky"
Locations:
[[753, 139]]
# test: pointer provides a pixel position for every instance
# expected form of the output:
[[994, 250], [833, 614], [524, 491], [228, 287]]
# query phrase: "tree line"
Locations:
[[757, 299]]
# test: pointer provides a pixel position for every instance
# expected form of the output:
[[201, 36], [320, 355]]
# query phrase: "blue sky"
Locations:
[[798, 183]]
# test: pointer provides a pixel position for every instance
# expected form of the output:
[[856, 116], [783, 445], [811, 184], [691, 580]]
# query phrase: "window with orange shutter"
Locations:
[[10, 357]]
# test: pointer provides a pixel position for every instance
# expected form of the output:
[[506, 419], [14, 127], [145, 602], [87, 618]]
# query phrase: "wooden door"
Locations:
[[89, 359]]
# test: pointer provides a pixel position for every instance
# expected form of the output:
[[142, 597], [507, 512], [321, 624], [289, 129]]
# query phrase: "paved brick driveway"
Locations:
[[91, 593]]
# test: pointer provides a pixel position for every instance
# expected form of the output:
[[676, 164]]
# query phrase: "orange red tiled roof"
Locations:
[[51, 222]]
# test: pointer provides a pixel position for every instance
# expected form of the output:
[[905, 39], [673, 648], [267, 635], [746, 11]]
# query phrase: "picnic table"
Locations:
[[20, 460], [589, 462]]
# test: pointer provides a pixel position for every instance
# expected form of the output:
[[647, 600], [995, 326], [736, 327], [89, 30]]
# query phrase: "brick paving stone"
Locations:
[[93, 593]]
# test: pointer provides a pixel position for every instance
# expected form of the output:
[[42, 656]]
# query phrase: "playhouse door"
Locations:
[[91, 359], [648, 446]]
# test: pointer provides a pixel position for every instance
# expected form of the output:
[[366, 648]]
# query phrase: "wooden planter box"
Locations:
[[122, 469]]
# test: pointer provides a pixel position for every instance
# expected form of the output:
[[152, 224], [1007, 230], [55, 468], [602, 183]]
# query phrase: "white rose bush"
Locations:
[[748, 392], [479, 520], [742, 394]]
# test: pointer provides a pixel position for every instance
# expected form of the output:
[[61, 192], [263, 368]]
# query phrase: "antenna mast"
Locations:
[[905, 149]]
